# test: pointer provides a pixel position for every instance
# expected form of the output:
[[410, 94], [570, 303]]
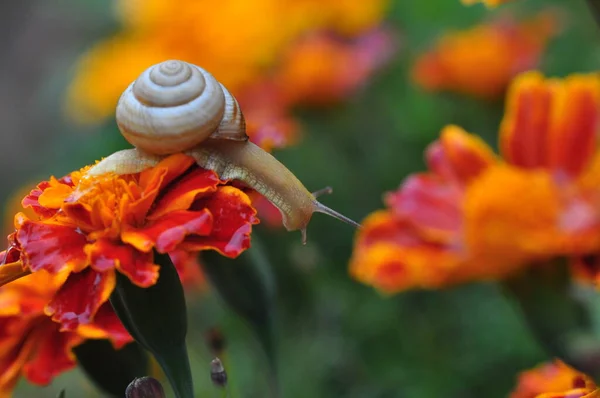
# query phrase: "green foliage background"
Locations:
[[336, 337]]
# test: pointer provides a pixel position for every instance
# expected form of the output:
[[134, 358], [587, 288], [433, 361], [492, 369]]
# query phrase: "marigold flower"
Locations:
[[488, 3], [244, 56], [94, 226], [35, 347], [475, 216], [482, 60], [554, 380]]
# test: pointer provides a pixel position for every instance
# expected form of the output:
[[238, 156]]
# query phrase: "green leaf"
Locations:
[[61, 394], [156, 318], [112, 370], [247, 287]]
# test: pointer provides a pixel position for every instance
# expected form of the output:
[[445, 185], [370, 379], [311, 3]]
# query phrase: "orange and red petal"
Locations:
[[511, 218], [51, 247], [431, 204], [390, 255], [34, 348], [106, 325], [106, 256], [482, 60], [550, 377], [551, 123], [165, 172], [459, 156], [574, 393], [269, 123], [233, 217], [189, 268], [53, 354], [167, 232], [268, 214], [322, 69], [184, 192], [488, 3], [50, 204], [80, 297]]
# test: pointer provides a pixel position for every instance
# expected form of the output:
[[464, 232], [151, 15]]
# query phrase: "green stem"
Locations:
[[594, 6], [552, 314]]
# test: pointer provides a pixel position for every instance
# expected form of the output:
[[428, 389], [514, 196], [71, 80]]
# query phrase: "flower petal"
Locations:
[[459, 156], [106, 325], [482, 60], [105, 255], [429, 203], [52, 355], [233, 216], [511, 216], [167, 232], [390, 256], [184, 192], [79, 299], [51, 247], [551, 123], [552, 377]]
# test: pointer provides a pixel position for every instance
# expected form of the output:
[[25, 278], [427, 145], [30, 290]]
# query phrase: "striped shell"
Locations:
[[174, 106]]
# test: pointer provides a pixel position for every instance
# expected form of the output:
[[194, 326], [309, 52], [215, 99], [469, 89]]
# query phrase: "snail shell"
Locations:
[[179, 107], [174, 106]]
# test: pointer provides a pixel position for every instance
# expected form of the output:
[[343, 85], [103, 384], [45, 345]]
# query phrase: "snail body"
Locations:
[[179, 107]]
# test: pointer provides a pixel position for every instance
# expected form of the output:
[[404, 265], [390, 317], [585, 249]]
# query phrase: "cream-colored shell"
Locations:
[[173, 106]]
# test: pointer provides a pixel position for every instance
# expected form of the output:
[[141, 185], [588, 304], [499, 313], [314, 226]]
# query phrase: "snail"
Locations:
[[175, 106]]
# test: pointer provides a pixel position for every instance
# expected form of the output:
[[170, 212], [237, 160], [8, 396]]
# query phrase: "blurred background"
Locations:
[[336, 337]]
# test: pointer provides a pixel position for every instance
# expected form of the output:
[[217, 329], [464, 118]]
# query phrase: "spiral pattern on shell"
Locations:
[[173, 106]]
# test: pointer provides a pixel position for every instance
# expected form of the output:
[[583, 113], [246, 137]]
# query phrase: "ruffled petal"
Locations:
[[51, 247], [106, 255], [390, 255], [78, 300], [16, 350], [167, 232], [53, 354], [459, 156], [106, 325], [431, 203], [189, 269], [183, 194], [233, 216]]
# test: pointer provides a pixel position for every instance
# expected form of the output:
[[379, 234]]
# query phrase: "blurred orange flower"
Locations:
[[35, 347], [554, 380], [474, 216], [94, 226], [489, 3], [222, 38], [482, 60]]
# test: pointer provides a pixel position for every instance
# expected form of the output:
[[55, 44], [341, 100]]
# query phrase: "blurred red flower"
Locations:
[[489, 3], [94, 226], [481, 61], [554, 380], [302, 51], [35, 347], [474, 216]]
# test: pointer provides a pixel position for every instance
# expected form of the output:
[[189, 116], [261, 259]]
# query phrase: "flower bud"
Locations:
[[218, 374], [145, 387]]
